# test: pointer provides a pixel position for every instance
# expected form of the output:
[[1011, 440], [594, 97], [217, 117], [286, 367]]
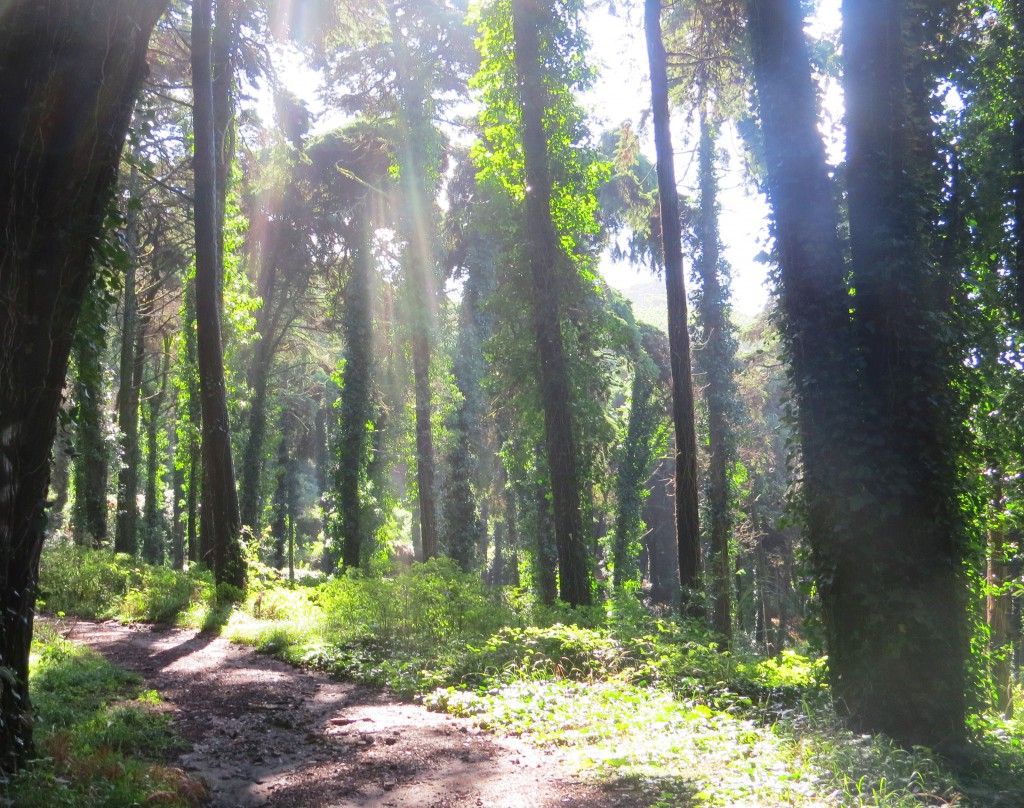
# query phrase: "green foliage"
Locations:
[[652, 703], [101, 584], [533, 652], [101, 738], [431, 605], [82, 582]]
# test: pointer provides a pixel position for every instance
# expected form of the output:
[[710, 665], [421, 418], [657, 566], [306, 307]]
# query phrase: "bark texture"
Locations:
[[871, 389], [716, 361], [900, 573], [687, 514], [542, 251], [69, 74], [220, 515]]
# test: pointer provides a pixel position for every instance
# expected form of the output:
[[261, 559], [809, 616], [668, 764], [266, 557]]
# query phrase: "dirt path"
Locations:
[[266, 734]]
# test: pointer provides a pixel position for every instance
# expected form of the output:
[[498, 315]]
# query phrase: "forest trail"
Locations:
[[264, 733]]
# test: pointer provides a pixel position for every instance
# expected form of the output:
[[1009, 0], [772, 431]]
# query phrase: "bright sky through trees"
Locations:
[[622, 93]]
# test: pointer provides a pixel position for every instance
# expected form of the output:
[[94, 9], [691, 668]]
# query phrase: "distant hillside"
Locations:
[[651, 307], [649, 303]]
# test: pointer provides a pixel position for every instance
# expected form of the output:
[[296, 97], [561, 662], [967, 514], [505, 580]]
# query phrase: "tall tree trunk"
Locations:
[[69, 74], [220, 516], [127, 514], [279, 526], [880, 520], [356, 399], [662, 547], [250, 488], [425, 477], [178, 546], [222, 56], [60, 480], [717, 360], [1016, 12], [813, 293], [419, 272], [545, 554], [645, 413], [542, 250], [997, 613], [687, 503], [126, 535], [91, 462], [189, 447], [902, 575], [153, 538]]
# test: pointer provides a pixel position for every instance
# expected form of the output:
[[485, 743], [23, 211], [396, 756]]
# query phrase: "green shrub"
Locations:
[[99, 584], [432, 604], [162, 595], [88, 583], [558, 651]]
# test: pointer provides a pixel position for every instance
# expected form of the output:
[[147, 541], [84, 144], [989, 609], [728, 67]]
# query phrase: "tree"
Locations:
[[92, 461], [471, 466], [69, 73], [349, 168], [405, 61], [687, 514], [130, 381], [642, 445], [716, 361], [220, 521], [282, 217], [902, 319], [153, 540], [876, 409], [542, 250]]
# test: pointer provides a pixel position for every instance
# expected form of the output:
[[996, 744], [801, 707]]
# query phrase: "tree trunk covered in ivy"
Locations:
[[268, 331], [660, 540], [130, 379], [900, 574], [189, 450], [153, 540], [357, 411], [543, 251], [687, 503], [873, 390], [69, 74], [640, 447], [998, 603], [545, 550], [282, 499], [250, 487], [470, 459], [716, 361], [1015, 10], [419, 170], [91, 465], [220, 516]]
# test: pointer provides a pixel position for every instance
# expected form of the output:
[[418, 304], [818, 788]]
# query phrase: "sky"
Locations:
[[622, 92]]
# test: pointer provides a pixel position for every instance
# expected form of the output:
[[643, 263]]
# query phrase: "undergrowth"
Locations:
[[651, 703], [101, 740]]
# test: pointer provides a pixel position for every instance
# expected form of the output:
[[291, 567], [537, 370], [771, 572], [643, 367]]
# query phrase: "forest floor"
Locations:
[[264, 733]]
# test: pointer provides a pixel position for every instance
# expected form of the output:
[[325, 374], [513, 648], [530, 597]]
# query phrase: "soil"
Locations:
[[264, 733]]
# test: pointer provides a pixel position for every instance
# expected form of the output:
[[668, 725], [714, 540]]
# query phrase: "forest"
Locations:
[[317, 367]]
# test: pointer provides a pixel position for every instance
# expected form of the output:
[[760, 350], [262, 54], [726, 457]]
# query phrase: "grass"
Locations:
[[101, 740], [649, 703]]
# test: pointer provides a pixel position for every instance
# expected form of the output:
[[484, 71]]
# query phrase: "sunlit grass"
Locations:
[[645, 703], [101, 739]]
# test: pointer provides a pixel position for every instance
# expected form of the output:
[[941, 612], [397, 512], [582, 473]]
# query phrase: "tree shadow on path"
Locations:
[[264, 733]]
